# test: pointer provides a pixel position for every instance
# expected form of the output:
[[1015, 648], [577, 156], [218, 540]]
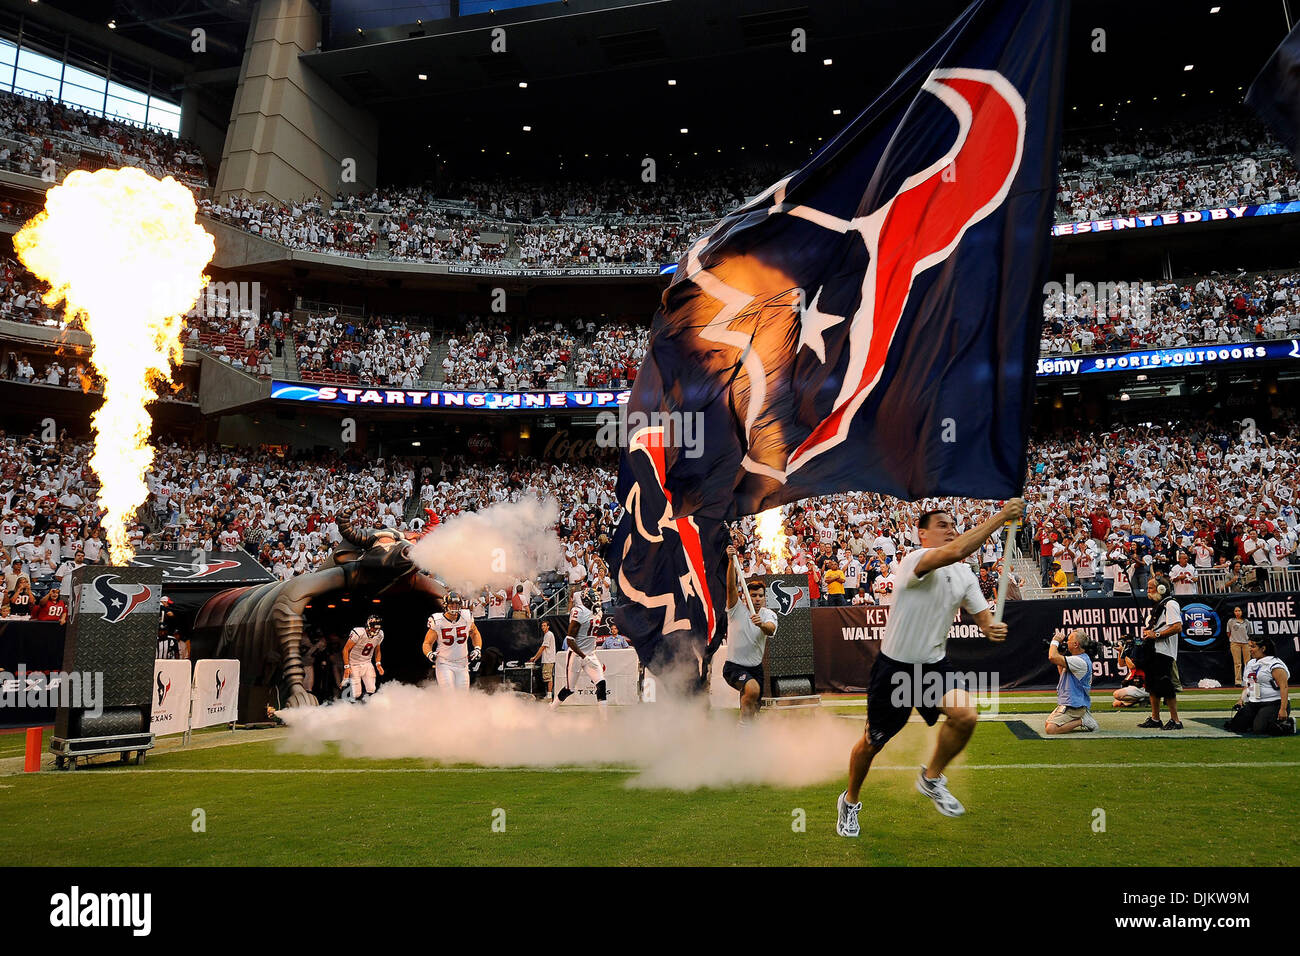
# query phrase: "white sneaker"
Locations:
[[937, 790], [846, 825], [1089, 721], [555, 702]]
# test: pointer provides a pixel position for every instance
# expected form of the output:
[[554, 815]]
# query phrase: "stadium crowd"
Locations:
[[1213, 309], [377, 350], [489, 355], [1105, 510], [35, 129], [1225, 160]]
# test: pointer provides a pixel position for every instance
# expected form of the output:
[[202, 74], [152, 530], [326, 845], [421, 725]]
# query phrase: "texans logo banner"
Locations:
[[869, 322]]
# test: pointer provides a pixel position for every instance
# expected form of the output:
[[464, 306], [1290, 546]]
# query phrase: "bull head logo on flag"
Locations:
[[869, 322]]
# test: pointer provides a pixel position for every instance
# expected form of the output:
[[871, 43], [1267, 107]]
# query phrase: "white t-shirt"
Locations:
[[924, 608], [746, 640], [548, 647], [1172, 614], [1261, 685]]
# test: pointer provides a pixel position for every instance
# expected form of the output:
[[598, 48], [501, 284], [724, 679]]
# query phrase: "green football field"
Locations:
[[1099, 799]]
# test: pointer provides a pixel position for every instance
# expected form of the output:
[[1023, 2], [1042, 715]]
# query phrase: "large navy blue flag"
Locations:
[[869, 322], [1275, 94]]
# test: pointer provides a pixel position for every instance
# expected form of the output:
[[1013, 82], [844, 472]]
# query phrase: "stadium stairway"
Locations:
[[432, 373], [414, 507]]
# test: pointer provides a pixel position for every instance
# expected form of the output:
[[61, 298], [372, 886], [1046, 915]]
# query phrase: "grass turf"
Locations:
[[1017, 814]]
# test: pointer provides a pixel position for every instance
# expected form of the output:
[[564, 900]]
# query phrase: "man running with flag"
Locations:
[[911, 669], [870, 322]]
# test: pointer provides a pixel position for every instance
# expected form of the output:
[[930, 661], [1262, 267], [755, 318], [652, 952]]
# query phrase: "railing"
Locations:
[[556, 605]]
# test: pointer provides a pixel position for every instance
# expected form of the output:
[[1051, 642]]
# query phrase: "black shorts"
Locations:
[[738, 675], [1160, 677], [894, 692]]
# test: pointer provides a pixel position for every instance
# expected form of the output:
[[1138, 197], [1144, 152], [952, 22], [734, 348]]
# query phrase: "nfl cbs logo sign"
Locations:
[[1200, 625]]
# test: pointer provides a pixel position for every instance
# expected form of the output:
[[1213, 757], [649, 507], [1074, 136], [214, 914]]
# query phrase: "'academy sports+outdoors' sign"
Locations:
[[1189, 356]]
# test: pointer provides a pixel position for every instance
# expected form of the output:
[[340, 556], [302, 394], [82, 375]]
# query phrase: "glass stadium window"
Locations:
[[33, 73], [90, 100], [36, 84], [164, 115], [126, 103], [86, 80], [8, 55]]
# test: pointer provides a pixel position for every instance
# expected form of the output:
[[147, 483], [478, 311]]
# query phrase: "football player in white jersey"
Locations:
[[452, 643], [361, 657], [583, 618], [931, 583]]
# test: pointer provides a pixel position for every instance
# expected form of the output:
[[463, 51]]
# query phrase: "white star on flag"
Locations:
[[813, 323]]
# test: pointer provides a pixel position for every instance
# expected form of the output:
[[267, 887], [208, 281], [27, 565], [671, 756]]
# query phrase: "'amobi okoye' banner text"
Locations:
[[846, 640]]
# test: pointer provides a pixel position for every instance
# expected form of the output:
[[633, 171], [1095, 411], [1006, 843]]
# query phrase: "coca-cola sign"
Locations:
[[562, 447]]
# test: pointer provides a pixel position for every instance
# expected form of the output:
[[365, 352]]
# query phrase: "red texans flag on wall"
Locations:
[[869, 322]]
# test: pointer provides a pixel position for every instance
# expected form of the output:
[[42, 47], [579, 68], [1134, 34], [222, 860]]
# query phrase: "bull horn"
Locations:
[[351, 537]]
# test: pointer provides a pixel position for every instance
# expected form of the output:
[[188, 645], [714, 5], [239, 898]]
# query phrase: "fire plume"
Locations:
[[124, 251], [769, 529]]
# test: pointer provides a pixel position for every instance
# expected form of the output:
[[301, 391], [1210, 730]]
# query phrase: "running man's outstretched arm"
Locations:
[[967, 544]]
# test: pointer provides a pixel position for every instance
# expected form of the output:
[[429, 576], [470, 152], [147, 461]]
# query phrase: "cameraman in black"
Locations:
[[1164, 622]]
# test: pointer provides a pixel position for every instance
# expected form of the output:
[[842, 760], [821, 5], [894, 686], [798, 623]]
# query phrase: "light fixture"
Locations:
[[1214, 9], [1188, 68], [682, 130], [672, 82], [835, 112], [523, 84], [827, 62], [528, 129], [112, 24], [422, 76], [415, 444]]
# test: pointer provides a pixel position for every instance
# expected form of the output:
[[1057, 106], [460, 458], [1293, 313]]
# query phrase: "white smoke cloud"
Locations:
[[495, 546], [674, 745]]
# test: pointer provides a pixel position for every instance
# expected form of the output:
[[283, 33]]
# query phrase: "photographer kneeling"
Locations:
[[1264, 708], [1074, 689]]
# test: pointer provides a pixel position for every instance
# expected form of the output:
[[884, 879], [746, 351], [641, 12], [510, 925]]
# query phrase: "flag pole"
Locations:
[[1004, 580], [741, 584]]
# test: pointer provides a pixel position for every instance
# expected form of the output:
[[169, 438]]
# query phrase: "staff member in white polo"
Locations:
[[932, 582], [747, 636]]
